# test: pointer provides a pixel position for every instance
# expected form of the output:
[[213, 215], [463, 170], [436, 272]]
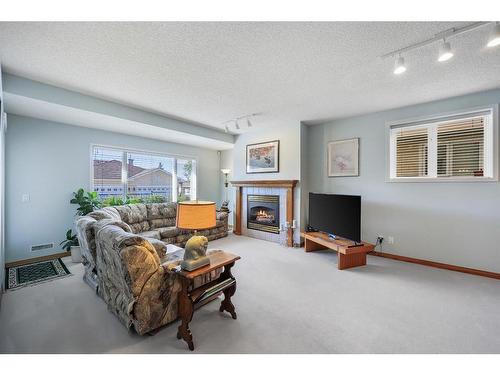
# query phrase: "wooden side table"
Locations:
[[190, 299]]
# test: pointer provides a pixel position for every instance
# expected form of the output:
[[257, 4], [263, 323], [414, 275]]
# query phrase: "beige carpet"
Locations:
[[287, 302]]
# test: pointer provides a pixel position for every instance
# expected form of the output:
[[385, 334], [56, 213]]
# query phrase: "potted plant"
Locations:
[[86, 201], [71, 244]]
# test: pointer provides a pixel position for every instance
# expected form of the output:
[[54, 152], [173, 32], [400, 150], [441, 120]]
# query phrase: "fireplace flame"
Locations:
[[264, 215]]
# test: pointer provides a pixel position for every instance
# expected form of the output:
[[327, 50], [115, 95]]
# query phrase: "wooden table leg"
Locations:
[[226, 304], [312, 246], [186, 314], [350, 261]]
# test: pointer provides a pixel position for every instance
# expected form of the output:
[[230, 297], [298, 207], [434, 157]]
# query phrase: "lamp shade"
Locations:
[[196, 215]]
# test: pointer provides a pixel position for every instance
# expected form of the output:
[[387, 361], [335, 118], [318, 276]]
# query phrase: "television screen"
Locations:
[[338, 215]]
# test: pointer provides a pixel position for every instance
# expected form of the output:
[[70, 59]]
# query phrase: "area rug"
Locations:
[[35, 273]]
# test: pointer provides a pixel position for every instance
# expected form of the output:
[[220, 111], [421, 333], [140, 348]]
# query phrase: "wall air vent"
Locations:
[[43, 246]]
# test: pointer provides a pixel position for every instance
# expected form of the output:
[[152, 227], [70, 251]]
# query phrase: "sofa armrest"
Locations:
[[86, 237]]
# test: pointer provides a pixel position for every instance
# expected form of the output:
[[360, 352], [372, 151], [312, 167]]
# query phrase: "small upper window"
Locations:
[[456, 147]]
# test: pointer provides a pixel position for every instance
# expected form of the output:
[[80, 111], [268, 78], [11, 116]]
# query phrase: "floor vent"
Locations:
[[43, 246]]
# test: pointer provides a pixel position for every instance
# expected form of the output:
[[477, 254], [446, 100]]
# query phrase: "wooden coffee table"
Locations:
[[190, 299]]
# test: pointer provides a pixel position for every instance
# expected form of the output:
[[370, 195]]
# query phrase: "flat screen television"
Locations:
[[335, 214]]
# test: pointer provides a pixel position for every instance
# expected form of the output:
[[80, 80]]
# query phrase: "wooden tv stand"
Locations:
[[349, 254]]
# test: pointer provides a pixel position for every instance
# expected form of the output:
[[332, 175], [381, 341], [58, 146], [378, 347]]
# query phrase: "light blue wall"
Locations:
[[50, 160], [455, 223], [2, 193]]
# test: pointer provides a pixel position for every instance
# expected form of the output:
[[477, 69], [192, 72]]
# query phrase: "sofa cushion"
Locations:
[[150, 234], [143, 226], [133, 213], [161, 210], [168, 232], [161, 223]]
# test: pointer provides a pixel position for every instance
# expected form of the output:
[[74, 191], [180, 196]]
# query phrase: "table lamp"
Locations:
[[195, 215]]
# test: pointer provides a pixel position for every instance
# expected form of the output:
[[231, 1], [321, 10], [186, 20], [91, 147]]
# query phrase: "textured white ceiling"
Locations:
[[211, 72]]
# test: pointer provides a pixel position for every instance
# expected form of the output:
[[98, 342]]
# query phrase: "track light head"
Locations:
[[236, 124], [226, 128], [249, 123], [399, 66], [494, 39], [445, 52]]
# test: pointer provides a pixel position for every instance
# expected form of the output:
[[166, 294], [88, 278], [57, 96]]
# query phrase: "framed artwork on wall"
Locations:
[[343, 158], [263, 157]]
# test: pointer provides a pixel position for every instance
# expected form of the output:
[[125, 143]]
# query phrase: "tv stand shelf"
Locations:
[[349, 254]]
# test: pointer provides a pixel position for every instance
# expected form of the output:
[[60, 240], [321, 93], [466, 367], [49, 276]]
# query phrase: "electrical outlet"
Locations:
[[390, 240], [25, 198]]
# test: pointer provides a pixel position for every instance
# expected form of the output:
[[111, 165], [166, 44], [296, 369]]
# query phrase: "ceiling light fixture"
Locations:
[[399, 66], [445, 52], [236, 120], [494, 39]]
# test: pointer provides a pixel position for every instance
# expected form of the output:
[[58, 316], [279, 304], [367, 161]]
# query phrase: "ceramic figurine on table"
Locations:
[[195, 254]]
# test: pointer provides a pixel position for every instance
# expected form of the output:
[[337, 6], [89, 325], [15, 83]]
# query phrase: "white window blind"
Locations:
[[412, 152], [460, 148], [456, 147]]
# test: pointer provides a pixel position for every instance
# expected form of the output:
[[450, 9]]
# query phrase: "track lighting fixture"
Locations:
[[445, 52], [399, 66], [494, 39], [236, 120]]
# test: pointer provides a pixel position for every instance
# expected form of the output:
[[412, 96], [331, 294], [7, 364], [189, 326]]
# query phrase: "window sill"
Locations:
[[442, 179]]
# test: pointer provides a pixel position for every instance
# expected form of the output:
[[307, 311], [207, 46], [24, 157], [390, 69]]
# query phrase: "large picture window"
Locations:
[[139, 176], [458, 147]]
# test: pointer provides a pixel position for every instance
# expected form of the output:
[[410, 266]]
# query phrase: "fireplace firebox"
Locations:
[[263, 213]]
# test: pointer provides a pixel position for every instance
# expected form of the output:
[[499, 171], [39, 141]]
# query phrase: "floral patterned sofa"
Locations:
[[134, 277], [127, 260], [154, 221]]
